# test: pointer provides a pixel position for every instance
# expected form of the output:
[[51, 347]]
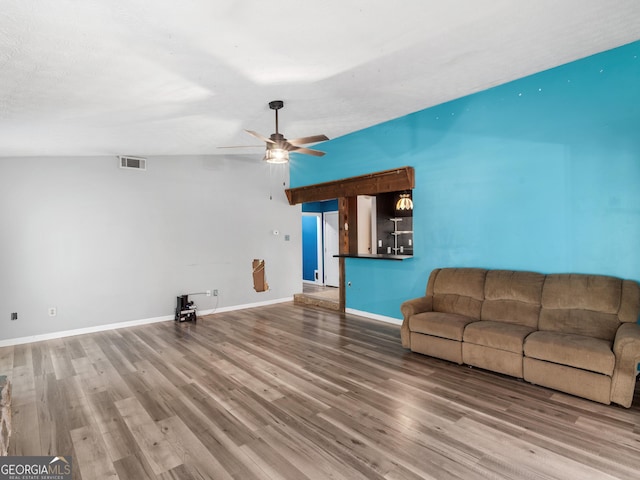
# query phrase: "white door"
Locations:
[[331, 243]]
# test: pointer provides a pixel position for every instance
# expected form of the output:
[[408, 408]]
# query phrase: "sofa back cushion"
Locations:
[[581, 304], [630, 302], [512, 297], [457, 290]]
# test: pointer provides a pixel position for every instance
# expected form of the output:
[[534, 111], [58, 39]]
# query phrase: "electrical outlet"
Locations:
[[53, 311], [208, 293], [215, 293]]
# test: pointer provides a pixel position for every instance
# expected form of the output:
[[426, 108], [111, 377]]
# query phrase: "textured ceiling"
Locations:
[[137, 77]]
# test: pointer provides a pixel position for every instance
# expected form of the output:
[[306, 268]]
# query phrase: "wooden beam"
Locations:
[[397, 179], [347, 215], [343, 222], [342, 290]]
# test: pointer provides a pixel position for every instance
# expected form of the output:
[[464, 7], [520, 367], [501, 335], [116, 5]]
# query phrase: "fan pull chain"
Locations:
[[271, 177]]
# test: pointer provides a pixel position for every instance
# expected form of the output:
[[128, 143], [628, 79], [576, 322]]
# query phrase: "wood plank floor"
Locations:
[[287, 392]]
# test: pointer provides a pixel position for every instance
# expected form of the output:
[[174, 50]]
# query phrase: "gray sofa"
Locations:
[[571, 332]]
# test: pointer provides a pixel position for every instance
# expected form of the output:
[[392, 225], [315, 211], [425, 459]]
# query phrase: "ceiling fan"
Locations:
[[278, 147]]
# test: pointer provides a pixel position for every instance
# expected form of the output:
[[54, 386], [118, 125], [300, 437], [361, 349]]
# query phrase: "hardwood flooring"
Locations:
[[288, 392]]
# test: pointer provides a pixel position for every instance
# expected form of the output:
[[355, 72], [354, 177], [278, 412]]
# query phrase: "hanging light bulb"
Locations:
[[276, 155], [404, 202]]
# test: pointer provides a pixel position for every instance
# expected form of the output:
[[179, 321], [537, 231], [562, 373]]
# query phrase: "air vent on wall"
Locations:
[[134, 163]]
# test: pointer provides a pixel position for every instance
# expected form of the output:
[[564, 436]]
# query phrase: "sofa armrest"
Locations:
[[626, 348], [409, 308]]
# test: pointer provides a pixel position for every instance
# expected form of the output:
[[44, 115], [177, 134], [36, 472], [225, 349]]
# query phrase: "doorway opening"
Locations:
[[320, 244]]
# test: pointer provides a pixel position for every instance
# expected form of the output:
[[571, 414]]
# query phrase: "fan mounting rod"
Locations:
[[276, 105]]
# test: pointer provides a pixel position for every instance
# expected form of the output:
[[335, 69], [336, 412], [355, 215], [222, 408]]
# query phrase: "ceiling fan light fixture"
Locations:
[[276, 155]]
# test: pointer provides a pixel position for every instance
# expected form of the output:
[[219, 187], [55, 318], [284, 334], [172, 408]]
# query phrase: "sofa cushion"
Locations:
[[589, 292], [445, 325], [458, 290], [579, 322], [512, 297], [499, 335], [581, 304], [578, 351], [630, 302]]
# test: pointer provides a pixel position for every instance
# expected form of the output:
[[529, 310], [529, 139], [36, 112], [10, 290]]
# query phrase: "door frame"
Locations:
[[337, 244]]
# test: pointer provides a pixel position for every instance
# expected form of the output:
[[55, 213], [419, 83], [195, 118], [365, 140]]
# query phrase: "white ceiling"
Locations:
[[164, 77]]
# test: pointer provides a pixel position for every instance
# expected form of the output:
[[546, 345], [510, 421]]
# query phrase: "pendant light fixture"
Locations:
[[404, 202]]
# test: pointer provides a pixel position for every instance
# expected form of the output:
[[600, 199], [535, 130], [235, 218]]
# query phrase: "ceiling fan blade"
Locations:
[[257, 135], [307, 151], [311, 139]]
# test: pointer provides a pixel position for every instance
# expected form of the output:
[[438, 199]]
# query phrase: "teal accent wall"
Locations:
[[540, 174], [310, 227], [321, 207]]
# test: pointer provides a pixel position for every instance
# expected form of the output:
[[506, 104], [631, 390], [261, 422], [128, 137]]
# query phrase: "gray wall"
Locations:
[[106, 245]]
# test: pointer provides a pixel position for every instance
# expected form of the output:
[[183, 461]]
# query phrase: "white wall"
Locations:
[[106, 245], [365, 204]]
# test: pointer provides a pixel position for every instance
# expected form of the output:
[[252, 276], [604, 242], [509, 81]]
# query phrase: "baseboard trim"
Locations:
[[81, 331], [243, 307], [373, 316], [132, 323]]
